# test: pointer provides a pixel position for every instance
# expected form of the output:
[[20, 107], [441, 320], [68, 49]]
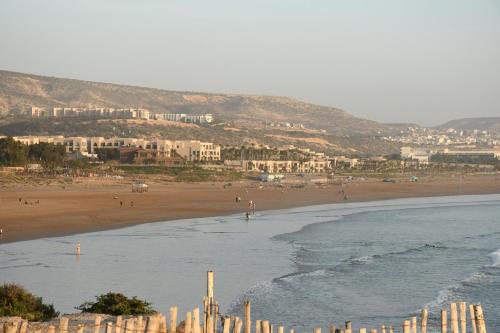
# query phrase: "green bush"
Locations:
[[17, 301], [117, 304]]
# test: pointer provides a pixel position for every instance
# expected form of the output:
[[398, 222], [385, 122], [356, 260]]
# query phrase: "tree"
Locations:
[[117, 304], [12, 153], [16, 301], [49, 154]]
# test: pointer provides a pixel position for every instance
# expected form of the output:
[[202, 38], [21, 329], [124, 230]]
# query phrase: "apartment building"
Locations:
[[186, 118], [278, 166], [59, 112]]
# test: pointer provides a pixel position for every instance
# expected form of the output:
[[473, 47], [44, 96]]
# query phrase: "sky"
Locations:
[[423, 61]]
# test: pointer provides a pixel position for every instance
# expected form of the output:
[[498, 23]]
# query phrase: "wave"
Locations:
[[495, 258], [482, 276]]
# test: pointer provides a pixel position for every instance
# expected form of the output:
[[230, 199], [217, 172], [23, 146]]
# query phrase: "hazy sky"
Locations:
[[423, 61]]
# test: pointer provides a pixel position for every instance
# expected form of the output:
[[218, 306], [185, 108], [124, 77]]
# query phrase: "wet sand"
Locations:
[[94, 204]]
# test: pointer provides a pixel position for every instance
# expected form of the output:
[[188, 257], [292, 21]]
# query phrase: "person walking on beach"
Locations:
[[248, 216], [121, 203], [253, 208]]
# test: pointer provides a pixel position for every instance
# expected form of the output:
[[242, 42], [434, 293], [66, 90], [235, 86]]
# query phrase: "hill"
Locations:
[[490, 124], [21, 91], [240, 119]]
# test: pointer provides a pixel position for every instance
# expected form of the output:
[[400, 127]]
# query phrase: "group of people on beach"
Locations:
[[251, 207], [26, 202]]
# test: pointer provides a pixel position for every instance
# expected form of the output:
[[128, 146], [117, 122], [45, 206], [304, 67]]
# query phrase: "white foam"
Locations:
[[495, 258]]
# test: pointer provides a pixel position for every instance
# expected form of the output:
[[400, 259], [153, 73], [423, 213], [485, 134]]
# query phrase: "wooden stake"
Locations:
[[423, 320], [97, 324], [406, 326], [196, 320], [265, 327], [152, 324], [248, 319], [348, 327], [331, 329], [39, 330], [316, 330], [362, 330], [129, 326], [463, 317], [79, 328], [109, 327], [51, 329], [373, 331], [9, 327], [472, 318], [173, 319], [478, 314], [281, 329], [454, 318], [24, 326], [210, 324], [271, 328], [391, 329], [258, 326], [138, 325], [188, 324], [414, 324], [163, 324], [210, 285], [382, 329], [226, 325], [237, 325], [118, 324], [444, 321]]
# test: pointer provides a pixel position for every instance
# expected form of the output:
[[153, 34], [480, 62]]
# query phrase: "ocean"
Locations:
[[372, 263]]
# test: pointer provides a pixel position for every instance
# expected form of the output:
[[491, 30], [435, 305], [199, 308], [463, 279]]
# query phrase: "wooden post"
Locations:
[[423, 320], [152, 324], [79, 328], [163, 324], [472, 318], [271, 328], [138, 325], [281, 329], [292, 331], [444, 321], [478, 314], [118, 324], [362, 330], [109, 327], [316, 330], [258, 326], [248, 319], [173, 319], [373, 331], [51, 329], [348, 327], [382, 329], [196, 320], [454, 318], [265, 327], [130, 325], [24, 326], [97, 324], [188, 324], [226, 325], [39, 330], [9, 327], [406, 326], [63, 325], [463, 317], [237, 325], [391, 329], [209, 324], [414, 324], [331, 329]]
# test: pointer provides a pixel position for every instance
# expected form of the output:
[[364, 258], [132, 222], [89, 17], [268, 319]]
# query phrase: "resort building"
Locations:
[[189, 150]]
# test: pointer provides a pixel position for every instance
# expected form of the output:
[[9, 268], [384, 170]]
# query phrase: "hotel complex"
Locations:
[[190, 150]]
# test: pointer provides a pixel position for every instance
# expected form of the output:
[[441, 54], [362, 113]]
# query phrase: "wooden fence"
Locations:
[[192, 323]]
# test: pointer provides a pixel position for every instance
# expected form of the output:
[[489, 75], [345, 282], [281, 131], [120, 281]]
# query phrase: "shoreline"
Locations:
[[94, 205]]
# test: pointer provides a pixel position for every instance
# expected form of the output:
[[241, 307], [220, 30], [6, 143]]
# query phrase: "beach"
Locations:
[[94, 204]]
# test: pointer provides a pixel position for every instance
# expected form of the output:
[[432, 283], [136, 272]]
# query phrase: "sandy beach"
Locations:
[[29, 212]]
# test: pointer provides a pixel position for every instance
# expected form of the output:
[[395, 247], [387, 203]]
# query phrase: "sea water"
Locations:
[[372, 263]]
